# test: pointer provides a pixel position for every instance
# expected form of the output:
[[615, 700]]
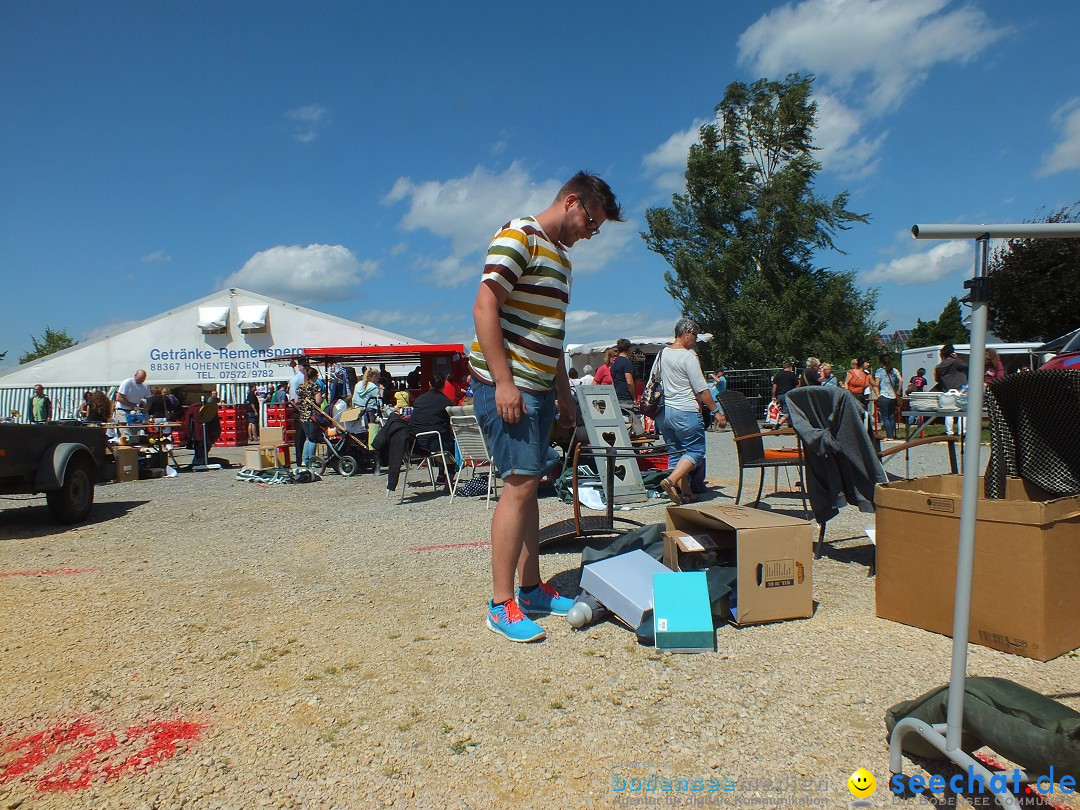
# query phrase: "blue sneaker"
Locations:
[[508, 620], [545, 600]]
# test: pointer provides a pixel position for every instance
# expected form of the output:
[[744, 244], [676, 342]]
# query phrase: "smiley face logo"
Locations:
[[862, 784]]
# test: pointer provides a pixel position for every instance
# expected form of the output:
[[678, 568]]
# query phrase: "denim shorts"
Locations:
[[685, 432], [522, 448]]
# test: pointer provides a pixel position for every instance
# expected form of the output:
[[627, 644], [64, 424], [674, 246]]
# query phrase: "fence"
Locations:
[[753, 383]]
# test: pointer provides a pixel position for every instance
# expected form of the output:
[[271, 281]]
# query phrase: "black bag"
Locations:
[[652, 398]]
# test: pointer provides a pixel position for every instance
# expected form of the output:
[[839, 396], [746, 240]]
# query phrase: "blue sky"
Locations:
[[356, 158]]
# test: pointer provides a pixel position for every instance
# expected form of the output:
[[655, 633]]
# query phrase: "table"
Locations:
[[932, 416], [161, 448]]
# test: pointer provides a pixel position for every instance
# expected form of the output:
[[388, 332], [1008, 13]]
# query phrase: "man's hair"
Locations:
[[594, 192], [437, 381], [622, 345], [588, 369], [684, 325], [948, 350], [921, 371], [572, 373]]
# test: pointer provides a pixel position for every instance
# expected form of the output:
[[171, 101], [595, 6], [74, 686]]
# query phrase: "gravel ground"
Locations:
[[205, 642]]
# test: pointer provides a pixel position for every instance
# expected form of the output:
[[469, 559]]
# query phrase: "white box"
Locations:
[[623, 584]]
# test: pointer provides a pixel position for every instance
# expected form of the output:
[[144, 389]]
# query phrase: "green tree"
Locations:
[[51, 342], [742, 238], [948, 328], [1034, 293]]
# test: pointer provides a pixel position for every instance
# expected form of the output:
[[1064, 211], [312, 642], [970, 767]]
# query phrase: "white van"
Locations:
[[1013, 356]]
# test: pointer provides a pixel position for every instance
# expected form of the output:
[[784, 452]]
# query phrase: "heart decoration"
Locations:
[[620, 472], [609, 438], [600, 406]]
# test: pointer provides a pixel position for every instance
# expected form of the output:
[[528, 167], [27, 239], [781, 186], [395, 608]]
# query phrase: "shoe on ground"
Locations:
[[671, 492], [508, 620], [543, 600]]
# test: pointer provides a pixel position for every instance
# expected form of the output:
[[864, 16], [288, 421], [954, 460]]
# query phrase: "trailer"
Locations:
[[63, 460], [1013, 356]]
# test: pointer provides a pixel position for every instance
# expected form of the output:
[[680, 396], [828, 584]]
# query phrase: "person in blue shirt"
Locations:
[[718, 387]]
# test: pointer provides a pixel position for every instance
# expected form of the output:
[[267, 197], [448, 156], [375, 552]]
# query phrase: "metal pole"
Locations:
[[965, 554]]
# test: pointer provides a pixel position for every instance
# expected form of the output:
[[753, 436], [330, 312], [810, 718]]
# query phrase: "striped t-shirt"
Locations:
[[536, 273]]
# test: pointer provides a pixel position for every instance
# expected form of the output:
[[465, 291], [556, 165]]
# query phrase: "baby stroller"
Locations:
[[346, 446]]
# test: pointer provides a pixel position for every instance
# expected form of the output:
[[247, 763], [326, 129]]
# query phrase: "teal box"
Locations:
[[682, 612]]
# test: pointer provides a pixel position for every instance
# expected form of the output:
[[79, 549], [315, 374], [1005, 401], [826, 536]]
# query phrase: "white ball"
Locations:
[[579, 615]]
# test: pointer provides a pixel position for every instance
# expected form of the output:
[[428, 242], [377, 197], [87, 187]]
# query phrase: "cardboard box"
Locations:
[[1024, 595], [271, 437], [623, 584], [261, 459], [127, 463], [682, 612], [680, 546], [772, 554]]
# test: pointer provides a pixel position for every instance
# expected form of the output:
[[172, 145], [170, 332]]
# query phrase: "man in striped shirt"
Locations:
[[517, 364]]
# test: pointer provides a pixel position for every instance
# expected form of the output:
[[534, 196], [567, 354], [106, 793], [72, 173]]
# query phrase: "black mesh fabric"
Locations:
[[1035, 431]]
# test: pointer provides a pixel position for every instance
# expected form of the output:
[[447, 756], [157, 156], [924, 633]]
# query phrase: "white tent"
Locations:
[[592, 354], [219, 340]]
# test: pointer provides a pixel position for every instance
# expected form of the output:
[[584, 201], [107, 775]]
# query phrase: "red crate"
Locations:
[[654, 463]]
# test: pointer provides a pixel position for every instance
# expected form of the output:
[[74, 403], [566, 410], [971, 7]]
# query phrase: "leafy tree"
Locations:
[[50, 343], [741, 240], [1034, 294], [948, 328]]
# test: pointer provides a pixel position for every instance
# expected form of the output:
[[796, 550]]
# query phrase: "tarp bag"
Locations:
[[652, 398], [1030, 729]]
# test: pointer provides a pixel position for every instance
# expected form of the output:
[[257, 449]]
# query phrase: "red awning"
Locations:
[[370, 355]]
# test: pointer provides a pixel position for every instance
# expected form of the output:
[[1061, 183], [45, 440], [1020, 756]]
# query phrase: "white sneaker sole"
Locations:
[[539, 637]]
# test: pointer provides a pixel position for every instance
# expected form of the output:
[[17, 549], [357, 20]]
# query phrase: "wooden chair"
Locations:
[[749, 441]]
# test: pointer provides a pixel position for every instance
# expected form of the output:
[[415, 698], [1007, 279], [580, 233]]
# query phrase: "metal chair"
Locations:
[[474, 453], [420, 458], [749, 441]]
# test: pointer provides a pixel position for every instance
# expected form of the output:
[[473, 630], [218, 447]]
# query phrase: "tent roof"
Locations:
[[646, 344]]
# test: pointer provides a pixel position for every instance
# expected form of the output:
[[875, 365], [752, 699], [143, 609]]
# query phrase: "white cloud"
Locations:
[[926, 267], [666, 164], [868, 55], [467, 211], [155, 257], [587, 326], [1066, 154], [308, 122], [304, 274]]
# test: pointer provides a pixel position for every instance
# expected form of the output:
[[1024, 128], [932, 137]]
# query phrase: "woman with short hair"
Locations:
[[685, 391]]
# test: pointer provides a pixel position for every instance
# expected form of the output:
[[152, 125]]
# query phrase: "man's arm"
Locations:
[[630, 384], [508, 401]]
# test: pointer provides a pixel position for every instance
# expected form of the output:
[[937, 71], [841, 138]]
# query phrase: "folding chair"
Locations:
[[474, 453], [423, 458]]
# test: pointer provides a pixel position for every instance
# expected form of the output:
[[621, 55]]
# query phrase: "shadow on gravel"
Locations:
[[35, 520], [861, 554]]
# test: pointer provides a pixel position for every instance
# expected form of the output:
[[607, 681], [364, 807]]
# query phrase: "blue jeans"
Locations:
[[684, 431], [521, 448], [887, 412]]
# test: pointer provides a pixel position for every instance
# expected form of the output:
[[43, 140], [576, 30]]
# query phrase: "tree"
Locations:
[[50, 343], [741, 240], [1034, 293], [948, 328]]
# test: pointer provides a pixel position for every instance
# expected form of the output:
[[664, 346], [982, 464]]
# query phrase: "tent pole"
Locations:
[[970, 500]]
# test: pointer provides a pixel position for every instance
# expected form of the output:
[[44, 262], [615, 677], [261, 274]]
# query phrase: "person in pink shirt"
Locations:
[[603, 374]]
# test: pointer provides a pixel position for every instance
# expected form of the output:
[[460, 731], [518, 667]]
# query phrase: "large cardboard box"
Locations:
[[271, 436], [127, 463], [771, 552], [1024, 596]]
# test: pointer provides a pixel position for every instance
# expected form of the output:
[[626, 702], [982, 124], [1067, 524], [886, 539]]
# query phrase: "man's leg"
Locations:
[[515, 536]]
